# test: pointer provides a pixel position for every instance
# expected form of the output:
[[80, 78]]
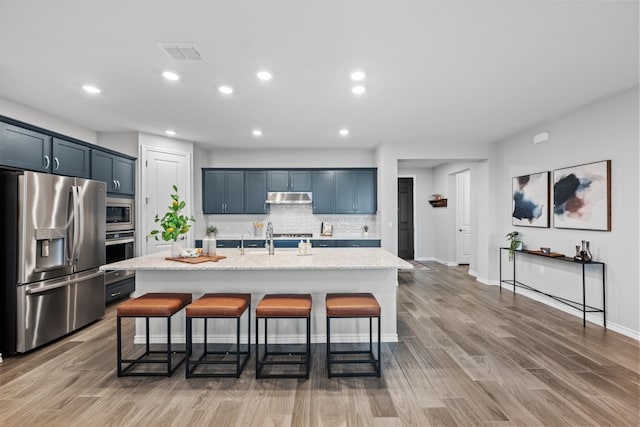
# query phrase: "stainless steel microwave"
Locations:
[[120, 214]]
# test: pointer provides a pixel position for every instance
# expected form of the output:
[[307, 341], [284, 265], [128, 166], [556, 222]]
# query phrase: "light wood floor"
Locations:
[[467, 355]]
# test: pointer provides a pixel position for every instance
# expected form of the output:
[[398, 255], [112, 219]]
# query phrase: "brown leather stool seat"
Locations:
[[353, 305], [150, 305], [283, 306], [217, 306]]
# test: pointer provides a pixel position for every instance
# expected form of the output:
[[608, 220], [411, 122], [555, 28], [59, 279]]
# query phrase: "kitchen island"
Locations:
[[324, 270]]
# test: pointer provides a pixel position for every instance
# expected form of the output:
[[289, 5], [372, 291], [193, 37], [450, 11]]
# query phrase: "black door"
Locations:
[[405, 218]]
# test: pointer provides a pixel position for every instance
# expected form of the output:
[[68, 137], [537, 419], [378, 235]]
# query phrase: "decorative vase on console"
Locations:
[[585, 253]]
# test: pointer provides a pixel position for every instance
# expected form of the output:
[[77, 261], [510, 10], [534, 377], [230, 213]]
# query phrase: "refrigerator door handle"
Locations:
[[76, 221], [80, 225], [62, 284]]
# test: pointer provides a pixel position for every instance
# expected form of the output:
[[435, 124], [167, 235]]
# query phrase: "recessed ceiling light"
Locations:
[[264, 75], [227, 90], [170, 75], [91, 89], [357, 76], [358, 90], [170, 132], [256, 132], [344, 132]]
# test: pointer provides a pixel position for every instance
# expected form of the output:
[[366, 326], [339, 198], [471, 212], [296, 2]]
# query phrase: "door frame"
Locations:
[[186, 194], [415, 224], [458, 212]]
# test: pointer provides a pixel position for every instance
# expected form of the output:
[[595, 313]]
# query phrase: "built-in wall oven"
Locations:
[[120, 243]]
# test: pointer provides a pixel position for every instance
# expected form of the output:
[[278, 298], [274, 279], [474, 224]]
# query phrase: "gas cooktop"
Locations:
[[293, 235]]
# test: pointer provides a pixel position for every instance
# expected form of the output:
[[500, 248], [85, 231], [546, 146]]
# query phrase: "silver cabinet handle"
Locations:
[[48, 162], [116, 294], [57, 162], [118, 181], [115, 185], [323, 246]]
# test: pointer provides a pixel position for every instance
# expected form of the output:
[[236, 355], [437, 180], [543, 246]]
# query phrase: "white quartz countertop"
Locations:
[[315, 237], [283, 259]]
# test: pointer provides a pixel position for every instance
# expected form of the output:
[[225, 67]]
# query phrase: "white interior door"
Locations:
[[463, 217], [161, 170]]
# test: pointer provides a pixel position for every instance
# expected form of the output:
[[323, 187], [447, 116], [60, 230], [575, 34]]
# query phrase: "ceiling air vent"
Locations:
[[181, 51]]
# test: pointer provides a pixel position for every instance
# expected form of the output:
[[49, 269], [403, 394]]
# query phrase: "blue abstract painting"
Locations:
[[531, 200], [582, 197]]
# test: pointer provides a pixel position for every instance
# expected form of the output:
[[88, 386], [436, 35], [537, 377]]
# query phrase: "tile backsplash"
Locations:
[[289, 219]]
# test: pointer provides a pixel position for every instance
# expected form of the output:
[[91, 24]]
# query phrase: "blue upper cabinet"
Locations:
[[255, 192], [323, 188], [356, 191], [366, 191], [119, 173], [25, 149], [71, 159], [288, 180], [222, 191]]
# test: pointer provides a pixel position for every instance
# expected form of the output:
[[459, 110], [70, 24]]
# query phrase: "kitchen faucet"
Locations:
[[242, 242], [269, 243]]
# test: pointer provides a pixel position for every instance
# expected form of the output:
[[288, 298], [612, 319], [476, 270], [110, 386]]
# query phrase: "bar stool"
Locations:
[[353, 305], [159, 305], [217, 306], [283, 306]]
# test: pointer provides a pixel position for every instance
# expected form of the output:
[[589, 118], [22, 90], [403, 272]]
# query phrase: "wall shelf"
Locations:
[[438, 203]]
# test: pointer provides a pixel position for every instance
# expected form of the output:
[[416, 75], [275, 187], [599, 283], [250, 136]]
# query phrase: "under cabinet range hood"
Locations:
[[288, 198]]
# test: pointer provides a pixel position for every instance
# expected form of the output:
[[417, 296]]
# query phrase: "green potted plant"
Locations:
[[515, 243], [173, 223], [212, 231]]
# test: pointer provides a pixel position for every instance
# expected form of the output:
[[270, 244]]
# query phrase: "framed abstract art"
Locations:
[[582, 197], [530, 202]]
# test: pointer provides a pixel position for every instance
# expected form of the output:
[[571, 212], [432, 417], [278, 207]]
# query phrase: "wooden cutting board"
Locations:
[[198, 260], [552, 254]]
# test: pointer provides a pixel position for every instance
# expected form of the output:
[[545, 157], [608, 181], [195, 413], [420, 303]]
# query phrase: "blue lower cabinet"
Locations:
[[323, 243], [227, 243], [254, 244], [286, 243], [358, 243], [119, 290]]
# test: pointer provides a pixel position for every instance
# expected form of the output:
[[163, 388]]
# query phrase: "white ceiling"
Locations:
[[437, 71]]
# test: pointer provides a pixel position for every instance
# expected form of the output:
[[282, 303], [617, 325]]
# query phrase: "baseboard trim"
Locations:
[[447, 263], [592, 318]]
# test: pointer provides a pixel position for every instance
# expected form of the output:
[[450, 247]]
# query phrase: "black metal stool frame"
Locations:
[[260, 362], [191, 365], [372, 360], [123, 372]]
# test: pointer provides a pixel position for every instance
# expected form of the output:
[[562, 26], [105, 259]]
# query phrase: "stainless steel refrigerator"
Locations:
[[54, 242]]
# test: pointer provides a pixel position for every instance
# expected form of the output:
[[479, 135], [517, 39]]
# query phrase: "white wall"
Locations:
[[46, 121], [252, 158], [387, 156], [605, 130], [122, 142]]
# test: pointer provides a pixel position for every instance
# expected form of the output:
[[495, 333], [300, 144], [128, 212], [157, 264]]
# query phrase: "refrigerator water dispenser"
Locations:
[[50, 248]]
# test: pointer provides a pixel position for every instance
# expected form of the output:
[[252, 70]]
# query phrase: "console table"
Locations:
[[582, 306]]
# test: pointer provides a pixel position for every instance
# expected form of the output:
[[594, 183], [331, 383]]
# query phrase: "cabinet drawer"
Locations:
[[119, 290], [323, 243], [358, 243], [227, 243]]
